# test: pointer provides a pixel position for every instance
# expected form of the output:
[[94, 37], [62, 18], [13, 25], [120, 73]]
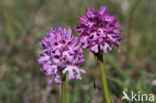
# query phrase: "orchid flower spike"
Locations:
[[61, 54], [98, 30]]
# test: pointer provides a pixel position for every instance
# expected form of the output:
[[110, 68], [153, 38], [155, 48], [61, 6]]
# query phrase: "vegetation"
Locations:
[[24, 22]]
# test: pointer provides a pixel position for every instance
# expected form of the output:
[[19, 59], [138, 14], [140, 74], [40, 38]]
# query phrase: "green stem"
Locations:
[[63, 89], [103, 75]]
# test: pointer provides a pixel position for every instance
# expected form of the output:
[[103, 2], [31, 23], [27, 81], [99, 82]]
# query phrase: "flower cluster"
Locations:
[[98, 30], [61, 54]]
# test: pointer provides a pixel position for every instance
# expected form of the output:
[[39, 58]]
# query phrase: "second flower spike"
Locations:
[[61, 54], [98, 30]]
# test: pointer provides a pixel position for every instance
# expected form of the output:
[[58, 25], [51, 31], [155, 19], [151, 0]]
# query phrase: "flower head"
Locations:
[[98, 30], [61, 54]]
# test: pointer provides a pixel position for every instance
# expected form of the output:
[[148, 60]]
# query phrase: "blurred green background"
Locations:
[[24, 22]]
